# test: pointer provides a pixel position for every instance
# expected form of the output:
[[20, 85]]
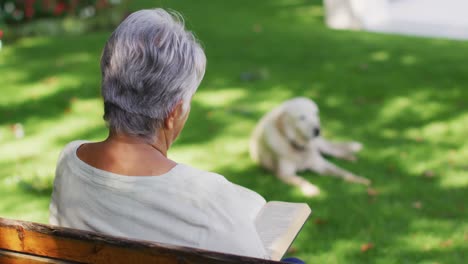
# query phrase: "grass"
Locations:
[[405, 98]]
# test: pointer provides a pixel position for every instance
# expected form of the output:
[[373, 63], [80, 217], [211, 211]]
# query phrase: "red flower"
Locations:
[[1, 34], [28, 8], [59, 8]]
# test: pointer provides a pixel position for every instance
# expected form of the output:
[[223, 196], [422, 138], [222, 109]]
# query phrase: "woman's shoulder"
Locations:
[[74, 145], [200, 175], [215, 188], [209, 182], [70, 149]]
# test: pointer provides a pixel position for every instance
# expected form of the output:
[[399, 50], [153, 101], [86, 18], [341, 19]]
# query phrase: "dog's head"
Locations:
[[300, 120]]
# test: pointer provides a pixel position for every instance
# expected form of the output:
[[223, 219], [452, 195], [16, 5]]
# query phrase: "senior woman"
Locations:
[[126, 185]]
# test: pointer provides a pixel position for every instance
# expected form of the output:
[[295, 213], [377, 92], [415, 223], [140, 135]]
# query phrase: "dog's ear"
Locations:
[[280, 122], [284, 127]]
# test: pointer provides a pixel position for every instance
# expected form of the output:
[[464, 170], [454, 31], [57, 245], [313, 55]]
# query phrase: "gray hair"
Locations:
[[149, 64]]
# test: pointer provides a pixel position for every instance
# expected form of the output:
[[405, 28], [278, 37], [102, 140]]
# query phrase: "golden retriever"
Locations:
[[287, 140]]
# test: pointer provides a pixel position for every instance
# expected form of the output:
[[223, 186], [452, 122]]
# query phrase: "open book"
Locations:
[[278, 224]]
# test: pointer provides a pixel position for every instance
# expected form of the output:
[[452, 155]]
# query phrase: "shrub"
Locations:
[[22, 11], [1, 36], [19, 18]]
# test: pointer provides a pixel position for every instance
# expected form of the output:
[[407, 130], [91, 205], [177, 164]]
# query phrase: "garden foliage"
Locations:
[[20, 18], [22, 11]]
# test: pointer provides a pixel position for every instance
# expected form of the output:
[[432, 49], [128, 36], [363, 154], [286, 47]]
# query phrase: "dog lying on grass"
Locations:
[[287, 140]]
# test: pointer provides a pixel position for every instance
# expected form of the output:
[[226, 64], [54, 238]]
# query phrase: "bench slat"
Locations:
[[88, 247], [10, 257]]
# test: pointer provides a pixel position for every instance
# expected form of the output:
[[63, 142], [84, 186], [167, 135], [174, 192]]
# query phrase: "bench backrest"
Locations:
[[27, 242]]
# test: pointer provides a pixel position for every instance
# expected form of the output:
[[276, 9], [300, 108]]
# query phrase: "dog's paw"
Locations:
[[350, 157], [310, 190], [365, 181], [358, 179], [355, 146]]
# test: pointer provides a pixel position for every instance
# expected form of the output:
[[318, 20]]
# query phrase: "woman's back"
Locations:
[[184, 206]]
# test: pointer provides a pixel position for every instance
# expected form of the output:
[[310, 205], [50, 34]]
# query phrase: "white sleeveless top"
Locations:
[[185, 206]]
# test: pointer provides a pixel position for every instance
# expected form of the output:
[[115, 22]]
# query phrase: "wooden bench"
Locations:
[[27, 242]]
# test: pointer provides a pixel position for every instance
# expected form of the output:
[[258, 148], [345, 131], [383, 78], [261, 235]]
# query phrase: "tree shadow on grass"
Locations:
[[365, 84], [61, 63], [46, 107], [41, 58], [354, 77]]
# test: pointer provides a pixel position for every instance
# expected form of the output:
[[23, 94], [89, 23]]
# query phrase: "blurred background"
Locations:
[[405, 97]]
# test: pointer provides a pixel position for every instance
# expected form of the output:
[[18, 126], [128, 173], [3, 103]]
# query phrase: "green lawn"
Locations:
[[405, 98]]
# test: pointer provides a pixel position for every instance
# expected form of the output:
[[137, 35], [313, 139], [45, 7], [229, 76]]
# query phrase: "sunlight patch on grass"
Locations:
[[218, 98], [201, 155], [418, 105], [414, 160], [45, 87], [389, 133], [420, 242], [286, 3], [38, 90], [454, 179], [380, 56], [33, 172], [333, 101], [21, 205], [79, 57], [51, 130], [11, 79], [264, 106], [308, 13], [427, 235], [326, 257], [29, 42], [393, 109], [22, 149], [344, 247], [28, 166], [409, 60], [436, 131], [214, 82], [446, 130], [233, 96], [27, 212], [300, 10], [446, 138], [89, 107], [19, 92]]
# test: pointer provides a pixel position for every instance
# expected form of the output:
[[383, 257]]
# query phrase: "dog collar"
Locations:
[[292, 143], [296, 146]]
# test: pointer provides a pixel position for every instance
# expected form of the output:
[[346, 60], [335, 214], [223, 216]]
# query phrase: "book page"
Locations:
[[278, 223]]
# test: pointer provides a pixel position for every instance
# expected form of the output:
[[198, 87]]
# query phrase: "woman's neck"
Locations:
[[160, 143], [127, 155]]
